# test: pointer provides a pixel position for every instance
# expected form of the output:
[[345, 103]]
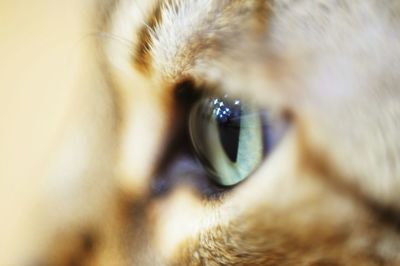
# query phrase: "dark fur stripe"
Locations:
[[141, 57], [263, 13]]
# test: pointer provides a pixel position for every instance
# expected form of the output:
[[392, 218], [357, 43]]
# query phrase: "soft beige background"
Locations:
[[42, 44]]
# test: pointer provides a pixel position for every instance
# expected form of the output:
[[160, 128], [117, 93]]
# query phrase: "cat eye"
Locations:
[[231, 138]]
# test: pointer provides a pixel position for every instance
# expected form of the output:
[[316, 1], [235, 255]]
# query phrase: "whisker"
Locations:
[[107, 35]]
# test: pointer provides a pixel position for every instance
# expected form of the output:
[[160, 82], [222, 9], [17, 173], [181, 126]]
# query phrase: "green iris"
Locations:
[[228, 137]]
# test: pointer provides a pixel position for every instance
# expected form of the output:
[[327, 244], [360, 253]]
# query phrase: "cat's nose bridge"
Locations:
[[144, 127]]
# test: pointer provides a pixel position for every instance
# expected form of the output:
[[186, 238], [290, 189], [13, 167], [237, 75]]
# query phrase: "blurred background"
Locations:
[[41, 63]]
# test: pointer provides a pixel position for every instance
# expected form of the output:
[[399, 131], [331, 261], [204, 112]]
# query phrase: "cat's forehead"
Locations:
[[169, 36], [216, 41]]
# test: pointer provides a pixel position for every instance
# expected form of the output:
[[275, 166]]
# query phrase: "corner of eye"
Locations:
[[184, 86]]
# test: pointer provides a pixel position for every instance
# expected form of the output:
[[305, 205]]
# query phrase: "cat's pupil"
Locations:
[[227, 115], [227, 137]]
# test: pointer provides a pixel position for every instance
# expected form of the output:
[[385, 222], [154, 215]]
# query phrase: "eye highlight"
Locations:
[[230, 138]]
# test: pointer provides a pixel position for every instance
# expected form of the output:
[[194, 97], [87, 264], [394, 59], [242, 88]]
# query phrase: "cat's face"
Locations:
[[325, 192]]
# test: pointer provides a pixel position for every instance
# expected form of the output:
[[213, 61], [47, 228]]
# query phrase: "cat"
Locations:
[[230, 132]]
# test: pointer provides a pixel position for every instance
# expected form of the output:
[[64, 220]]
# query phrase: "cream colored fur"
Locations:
[[327, 195]]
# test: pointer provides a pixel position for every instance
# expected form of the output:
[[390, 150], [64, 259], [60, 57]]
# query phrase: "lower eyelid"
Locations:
[[184, 170]]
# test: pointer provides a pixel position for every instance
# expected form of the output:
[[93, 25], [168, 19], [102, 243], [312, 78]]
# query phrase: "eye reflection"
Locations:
[[230, 138]]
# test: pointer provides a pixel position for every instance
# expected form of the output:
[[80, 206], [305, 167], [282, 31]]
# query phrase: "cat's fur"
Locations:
[[329, 194]]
